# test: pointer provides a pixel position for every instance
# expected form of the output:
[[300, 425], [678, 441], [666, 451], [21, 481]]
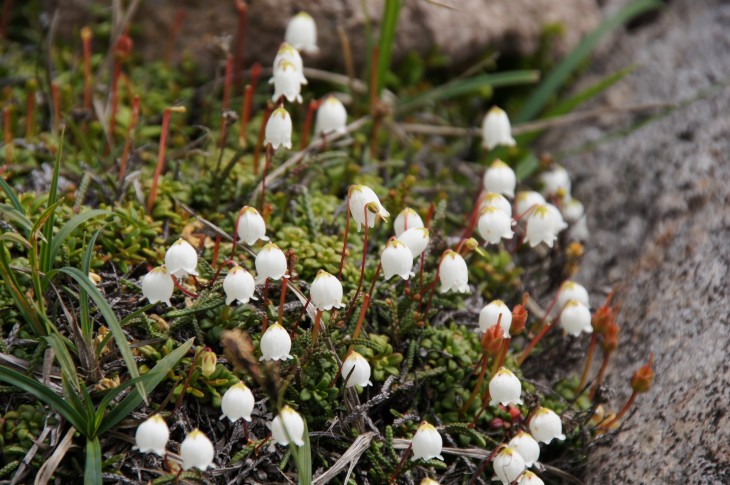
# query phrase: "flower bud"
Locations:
[[546, 426], [288, 426], [529, 478], [152, 436], [556, 182], [287, 82], [289, 53], [406, 219], [573, 210], [519, 318], [251, 226], [270, 263], [208, 360], [505, 388], [279, 129], [492, 340], [500, 178], [427, 443], [356, 370], [360, 197], [524, 444], [496, 129], [508, 465], [275, 344], [301, 32], [331, 117], [239, 285], [642, 378], [498, 201], [157, 285], [453, 273], [575, 318], [489, 316], [181, 259], [603, 316], [416, 239], [541, 227], [396, 259], [610, 338], [526, 200], [196, 451], [326, 291], [570, 290], [237, 403], [494, 225]]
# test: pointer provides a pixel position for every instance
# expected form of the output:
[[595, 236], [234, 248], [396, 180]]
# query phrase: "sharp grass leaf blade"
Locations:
[[26, 307], [14, 215], [70, 226], [68, 367], [387, 39], [46, 261], [15, 238], [11, 195], [92, 471], [86, 324]]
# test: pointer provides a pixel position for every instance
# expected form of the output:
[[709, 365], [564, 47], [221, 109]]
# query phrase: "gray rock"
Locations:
[[659, 214]]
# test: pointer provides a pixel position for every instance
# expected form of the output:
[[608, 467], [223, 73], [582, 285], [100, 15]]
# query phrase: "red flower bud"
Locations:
[[492, 340], [642, 378], [519, 317], [610, 338], [603, 317], [123, 47]]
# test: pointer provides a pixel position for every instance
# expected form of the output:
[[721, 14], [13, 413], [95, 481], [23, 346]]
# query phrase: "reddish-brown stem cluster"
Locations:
[[122, 50], [161, 154], [245, 115], [313, 106], [172, 36]]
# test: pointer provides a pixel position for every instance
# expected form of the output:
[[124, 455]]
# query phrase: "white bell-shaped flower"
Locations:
[[157, 285], [494, 225], [427, 443], [453, 273], [575, 318], [362, 196], [541, 227], [500, 178], [326, 291], [196, 451], [570, 290], [251, 226], [279, 129], [556, 182], [526, 200], [270, 263], [489, 316], [557, 217], [152, 436], [573, 210], [289, 53], [499, 201], [429, 481], [287, 82], [416, 239], [526, 446], [406, 219], [396, 259], [239, 285], [275, 343], [237, 402], [529, 478], [181, 259], [356, 370], [301, 32], [496, 129], [288, 427], [331, 117], [546, 426], [505, 388], [508, 465]]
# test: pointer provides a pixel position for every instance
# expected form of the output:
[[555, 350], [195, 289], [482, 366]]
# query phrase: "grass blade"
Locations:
[[46, 261], [68, 368], [70, 226], [12, 196], [387, 39], [86, 324], [18, 217], [92, 471], [15, 238], [26, 307]]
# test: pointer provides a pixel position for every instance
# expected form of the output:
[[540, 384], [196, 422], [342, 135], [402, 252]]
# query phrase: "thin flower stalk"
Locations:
[[128, 141], [240, 41], [245, 115], [172, 36], [347, 233], [161, 153], [86, 36], [313, 106], [544, 327], [260, 142], [56, 99]]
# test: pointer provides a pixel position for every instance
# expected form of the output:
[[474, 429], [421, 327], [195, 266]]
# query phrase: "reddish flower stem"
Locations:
[[395, 474], [179, 287], [114, 102], [293, 331], [235, 236], [282, 299], [589, 360], [7, 8], [86, 36], [483, 467], [187, 380], [56, 99], [216, 249], [477, 386], [541, 333], [621, 413], [172, 36], [260, 142], [472, 219], [256, 71], [501, 356], [347, 232], [313, 105], [601, 374], [161, 154], [364, 254], [245, 115], [315, 327], [240, 42], [128, 141], [269, 153]]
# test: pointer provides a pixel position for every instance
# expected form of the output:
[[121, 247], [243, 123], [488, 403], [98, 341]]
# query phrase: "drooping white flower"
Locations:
[[301, 32], [499, 201], [270, 263], [360, 368], [427, 443], [526, 446], [152, 436], [196, 451], [289, 53], [496, 129], [237, 402], [416, 239], [251, 226], [546, 426], [525, 200], [287, 82], [573, 210], [529, 478], [181, 259], [556, 182], [326, 291], [508, 465], [406, 219], [500, 178], [278, 129], [157, 285], [570, 290], [541, 227], [331, 117], [489, 315], [396, 259], [453, 273], [505, 388], [362, 196], [557, 216], [275, 343], [494, 225], [288, 426], [575, 318], [239, 285]]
